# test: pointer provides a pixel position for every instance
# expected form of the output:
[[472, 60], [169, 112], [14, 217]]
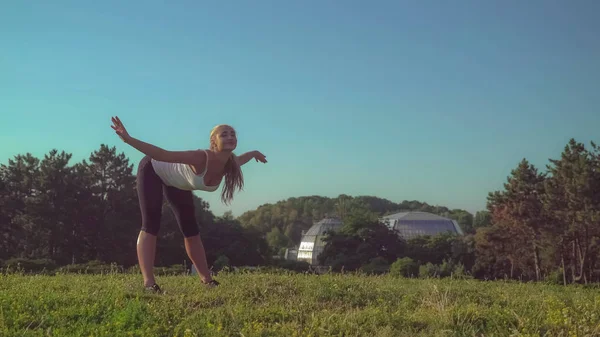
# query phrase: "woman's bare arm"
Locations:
[[244, 158], [192, 157]]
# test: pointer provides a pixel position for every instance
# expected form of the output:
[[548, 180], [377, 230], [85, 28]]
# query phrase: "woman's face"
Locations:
[[225, 139]]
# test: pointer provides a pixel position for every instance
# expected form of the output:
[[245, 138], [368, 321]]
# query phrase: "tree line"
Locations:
[[539, 226], [546, 222], [284, 221], [73, 214]]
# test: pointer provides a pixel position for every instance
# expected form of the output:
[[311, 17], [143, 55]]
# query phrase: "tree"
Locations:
[[520, 205], [482, 219], [89, 211], [358, 217], [464, 219], [228, 216], [359, 244], [573, 203], [276, 239], [294, 215], [18, 179], [438, 248], [81, 207], [242, 246], [115, 210], [6, 236], [501, 251], [342, 206], [51, 208]]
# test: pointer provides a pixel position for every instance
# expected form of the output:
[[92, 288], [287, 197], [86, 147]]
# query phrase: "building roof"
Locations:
[[324, 225], [415, 216], [412, 224]]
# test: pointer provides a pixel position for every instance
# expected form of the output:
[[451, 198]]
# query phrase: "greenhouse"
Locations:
[[311, 244], [407, 224], [413, 224]]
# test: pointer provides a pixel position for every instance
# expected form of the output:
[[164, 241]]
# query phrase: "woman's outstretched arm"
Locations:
[[192, 157], [244, 158]]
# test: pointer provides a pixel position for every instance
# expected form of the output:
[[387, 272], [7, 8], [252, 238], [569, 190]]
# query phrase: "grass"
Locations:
[[292, 305]]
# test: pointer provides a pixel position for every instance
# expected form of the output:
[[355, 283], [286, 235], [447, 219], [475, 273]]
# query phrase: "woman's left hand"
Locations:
[[260, 157]]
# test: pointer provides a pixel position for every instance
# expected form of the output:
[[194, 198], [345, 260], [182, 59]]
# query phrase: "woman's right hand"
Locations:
[[119, 129]]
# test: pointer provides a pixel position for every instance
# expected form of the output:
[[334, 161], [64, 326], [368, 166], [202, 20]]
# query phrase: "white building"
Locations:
[[311, 244]]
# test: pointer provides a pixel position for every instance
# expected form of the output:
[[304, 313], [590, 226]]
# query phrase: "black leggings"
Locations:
[[150, 190]]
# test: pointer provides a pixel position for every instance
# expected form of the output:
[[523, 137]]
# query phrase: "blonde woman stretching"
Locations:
[[175, 174]]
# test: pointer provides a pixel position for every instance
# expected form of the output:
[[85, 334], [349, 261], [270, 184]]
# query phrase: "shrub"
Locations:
[[92, 267], [429, 270], [404, 267], [297, 266], [176, 269], [445, 269], [24, 265], [378, 265], [555, 277], [459, 272], [221, 262]]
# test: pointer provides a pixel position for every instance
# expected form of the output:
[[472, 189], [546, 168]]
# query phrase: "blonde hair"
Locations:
[[232, 171]]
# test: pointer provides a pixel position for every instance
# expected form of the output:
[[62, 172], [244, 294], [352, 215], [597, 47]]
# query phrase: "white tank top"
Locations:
[[182, 176]]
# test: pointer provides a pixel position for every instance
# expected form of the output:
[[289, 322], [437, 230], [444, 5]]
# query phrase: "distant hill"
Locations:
[[290, 217]]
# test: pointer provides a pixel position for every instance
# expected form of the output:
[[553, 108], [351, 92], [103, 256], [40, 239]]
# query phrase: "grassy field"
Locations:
[[292, 305]]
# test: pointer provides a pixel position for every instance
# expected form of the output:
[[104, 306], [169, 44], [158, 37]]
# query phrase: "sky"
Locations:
[[404, 100]]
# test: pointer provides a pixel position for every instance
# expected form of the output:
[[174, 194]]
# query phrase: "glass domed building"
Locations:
[[407, 224], [413, 224], [311, 244]]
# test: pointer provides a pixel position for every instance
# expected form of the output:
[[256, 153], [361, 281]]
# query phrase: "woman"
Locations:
[[175, 174]]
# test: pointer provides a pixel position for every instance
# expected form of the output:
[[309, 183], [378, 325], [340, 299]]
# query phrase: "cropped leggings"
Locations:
[[151, 189]]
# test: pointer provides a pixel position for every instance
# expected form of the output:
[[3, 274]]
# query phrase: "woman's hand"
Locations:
[[260, 157], [244, 158], [120, 129]]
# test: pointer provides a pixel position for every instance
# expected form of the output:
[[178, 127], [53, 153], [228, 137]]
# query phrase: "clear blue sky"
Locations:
[[429, 100]]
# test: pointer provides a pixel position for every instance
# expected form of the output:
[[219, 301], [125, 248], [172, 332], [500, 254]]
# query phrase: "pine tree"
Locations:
[[112, 235], [520, 205], [572, 201], [18, 179]]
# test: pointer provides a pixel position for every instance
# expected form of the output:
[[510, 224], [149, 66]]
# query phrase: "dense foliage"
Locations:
[[89, 211]]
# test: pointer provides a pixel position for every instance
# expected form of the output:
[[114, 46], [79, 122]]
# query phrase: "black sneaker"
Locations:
[[154, 288], [212, 283]]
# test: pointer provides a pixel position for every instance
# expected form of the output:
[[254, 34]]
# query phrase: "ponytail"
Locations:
[[233, 179]]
